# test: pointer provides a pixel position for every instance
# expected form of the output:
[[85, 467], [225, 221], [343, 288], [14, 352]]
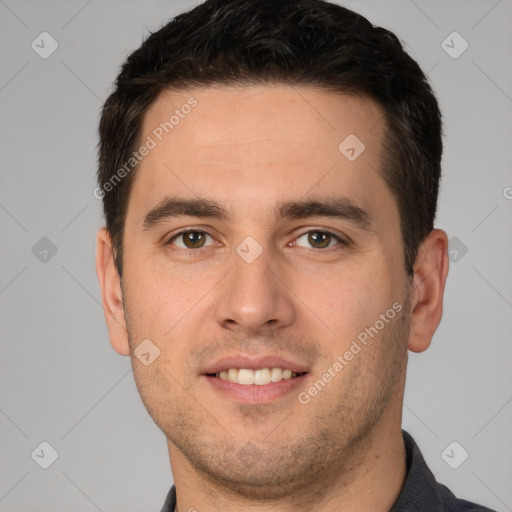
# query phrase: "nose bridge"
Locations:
[[253, 298]]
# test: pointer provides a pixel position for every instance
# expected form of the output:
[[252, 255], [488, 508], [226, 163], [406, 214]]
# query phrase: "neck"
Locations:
[[369, 480]]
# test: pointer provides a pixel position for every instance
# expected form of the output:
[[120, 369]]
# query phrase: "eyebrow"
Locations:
[[339, 207], [174, 207]]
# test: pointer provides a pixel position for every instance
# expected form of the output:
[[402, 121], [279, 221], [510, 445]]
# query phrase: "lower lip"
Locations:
[[253, 393]]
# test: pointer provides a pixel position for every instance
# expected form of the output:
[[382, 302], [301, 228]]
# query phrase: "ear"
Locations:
[[111, 293], [430, 272]]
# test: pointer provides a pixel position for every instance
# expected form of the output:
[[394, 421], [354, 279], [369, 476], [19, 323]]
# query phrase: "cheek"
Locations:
[[347, 298], [158, 297], [170, 309]]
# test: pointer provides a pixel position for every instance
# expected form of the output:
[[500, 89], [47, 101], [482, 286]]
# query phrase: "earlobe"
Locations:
[[430, 272], [111, 293]]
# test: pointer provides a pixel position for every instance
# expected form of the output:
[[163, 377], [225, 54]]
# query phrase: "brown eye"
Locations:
[[190, 239], [319, 239]]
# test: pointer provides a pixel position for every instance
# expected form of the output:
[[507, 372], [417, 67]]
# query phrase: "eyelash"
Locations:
[[341, 242]]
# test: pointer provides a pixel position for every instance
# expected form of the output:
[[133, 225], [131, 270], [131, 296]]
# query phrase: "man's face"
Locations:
[[267, 285]]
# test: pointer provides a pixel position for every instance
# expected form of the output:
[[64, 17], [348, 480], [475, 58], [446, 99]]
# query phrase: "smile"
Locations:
[[257, 377]]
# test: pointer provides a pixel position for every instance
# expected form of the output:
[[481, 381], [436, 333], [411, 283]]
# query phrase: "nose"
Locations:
[[254, 298]]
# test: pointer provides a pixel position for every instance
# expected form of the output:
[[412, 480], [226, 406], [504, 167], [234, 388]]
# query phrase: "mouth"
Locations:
[[259, 377], [255, 381]]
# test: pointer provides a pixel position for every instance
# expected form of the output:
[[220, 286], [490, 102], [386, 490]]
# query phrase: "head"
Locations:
[[302, 147]]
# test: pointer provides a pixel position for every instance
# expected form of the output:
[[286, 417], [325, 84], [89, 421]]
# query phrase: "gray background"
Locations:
[[61, 382]]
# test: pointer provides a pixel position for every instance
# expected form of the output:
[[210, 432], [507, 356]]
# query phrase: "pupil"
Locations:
[[317, 237], [193, 239]]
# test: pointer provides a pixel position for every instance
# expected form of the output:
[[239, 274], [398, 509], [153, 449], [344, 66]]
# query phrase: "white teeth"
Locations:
[[262, 377], [259, 377], [277, 374], [245, 376]]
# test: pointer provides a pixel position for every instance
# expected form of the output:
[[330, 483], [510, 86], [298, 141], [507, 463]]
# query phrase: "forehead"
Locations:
[[253, 146], [256, 117]]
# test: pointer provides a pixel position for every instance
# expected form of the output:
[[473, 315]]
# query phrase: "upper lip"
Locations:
[[255, 363]]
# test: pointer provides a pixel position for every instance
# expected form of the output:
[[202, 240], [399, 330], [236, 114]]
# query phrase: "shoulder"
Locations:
[[452, 503], [421, 492]]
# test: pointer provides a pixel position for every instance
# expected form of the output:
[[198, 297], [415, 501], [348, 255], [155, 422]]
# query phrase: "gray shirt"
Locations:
[[420, 493]]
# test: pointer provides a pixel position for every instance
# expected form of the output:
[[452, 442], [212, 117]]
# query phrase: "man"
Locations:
[[270, 172]]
